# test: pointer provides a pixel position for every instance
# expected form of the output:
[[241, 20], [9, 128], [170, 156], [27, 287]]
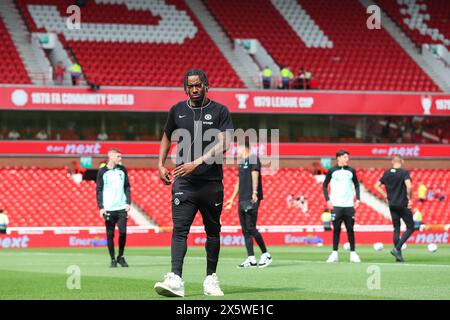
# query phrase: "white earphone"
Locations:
[[200, 119]]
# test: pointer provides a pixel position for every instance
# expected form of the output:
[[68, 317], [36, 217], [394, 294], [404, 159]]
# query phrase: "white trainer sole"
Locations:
[[249, 267], [165, 291], [265, 265], [213, 295]]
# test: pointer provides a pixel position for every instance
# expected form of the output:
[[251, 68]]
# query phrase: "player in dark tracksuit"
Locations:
[[342, 178], [249, 187], [114, 199], [197, 184], [399, 194]]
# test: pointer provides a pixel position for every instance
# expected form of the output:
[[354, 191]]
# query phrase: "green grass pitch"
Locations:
[[296, 273]]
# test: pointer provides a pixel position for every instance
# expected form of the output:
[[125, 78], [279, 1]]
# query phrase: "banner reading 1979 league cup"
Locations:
[[238, 101]]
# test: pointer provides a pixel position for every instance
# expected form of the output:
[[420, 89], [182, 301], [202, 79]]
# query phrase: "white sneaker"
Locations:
[[172, 286], [211, 286], [334, 257], [265, 260], [354, 257], [248, 263]]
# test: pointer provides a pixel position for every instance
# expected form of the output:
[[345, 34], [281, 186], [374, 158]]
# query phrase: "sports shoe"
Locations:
[[113, 263], [265, 260], [334, 257], [398, 255], [122, 262], [211, 286], [172, 286], [248, 263], [354, 257]]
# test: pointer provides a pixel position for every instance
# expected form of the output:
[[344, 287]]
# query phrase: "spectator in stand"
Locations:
[[286, 77], [308, 76], [417, 217], [422, 192], [290, 200], [430, 195], [439, 194], [302, 203], [4, 221], [59, 73], [300, 81], [267, 78], [42, 135], [75, 73], [14, 135], [326, 219], [102, 136]]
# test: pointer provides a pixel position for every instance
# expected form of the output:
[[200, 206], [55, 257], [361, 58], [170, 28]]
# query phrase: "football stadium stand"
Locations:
[[350, 58], [434, 211], [162, 46], [12, 69], [48, 197], [425, 22], [153, 198], [166, 38]]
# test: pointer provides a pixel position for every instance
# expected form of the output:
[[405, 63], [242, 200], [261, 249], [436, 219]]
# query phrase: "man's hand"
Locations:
[[127, 208], [102, 213], [254, 197], [357, 202], [186, 168], [164, 175], [228, 204], [329, 205], [410, 204]]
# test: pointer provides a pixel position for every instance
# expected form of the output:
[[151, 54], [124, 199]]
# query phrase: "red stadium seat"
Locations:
[[370, 57], [12, 70], [139, 63], [39, 197]]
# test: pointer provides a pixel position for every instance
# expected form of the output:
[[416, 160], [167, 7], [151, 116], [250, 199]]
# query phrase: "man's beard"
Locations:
[[200, 100]]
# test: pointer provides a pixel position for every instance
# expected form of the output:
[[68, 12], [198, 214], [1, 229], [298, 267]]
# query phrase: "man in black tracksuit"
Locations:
[[249, 187], [114, 199], [200, 126], [399, 196]]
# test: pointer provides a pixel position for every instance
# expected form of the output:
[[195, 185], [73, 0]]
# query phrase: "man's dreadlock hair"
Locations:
[[195, 72]]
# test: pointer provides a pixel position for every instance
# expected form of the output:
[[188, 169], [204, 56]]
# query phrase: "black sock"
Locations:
[[122, 241], [260, 241], [249, 244], [396, 237], [403, 239], [351, 239], [111, 247]]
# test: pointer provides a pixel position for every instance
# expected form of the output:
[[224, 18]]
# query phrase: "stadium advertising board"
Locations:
[[82, 238], [243, 101], [98, 148]]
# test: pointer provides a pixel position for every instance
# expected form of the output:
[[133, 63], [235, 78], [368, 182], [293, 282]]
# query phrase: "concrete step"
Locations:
[[21, 38], [220, 38], [405, 42]]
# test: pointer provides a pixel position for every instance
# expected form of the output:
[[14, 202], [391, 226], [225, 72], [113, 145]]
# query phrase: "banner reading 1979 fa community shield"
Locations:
[[238, 101]]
